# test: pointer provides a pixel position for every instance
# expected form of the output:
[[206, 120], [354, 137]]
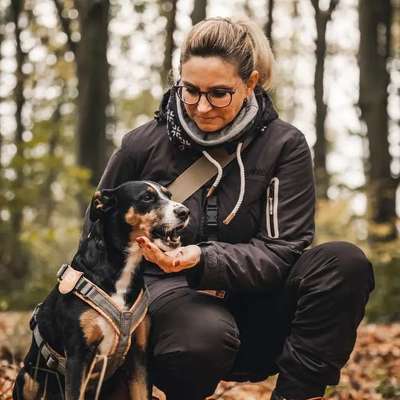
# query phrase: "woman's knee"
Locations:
[[197, 355], [202, 342], [352, 265], [196, 334], [337, 261]]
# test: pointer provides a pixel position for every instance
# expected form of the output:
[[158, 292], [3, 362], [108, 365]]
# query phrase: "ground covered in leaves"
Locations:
[[372, 373]]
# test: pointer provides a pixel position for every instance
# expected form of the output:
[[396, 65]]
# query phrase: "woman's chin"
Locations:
[[208, 126]]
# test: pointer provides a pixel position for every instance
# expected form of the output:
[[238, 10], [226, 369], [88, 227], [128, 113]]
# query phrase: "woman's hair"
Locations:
[[240, 42]]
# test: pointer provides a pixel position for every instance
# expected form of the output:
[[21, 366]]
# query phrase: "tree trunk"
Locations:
[[18, 267], [53, 142], [320, 148], [269, 23], [169, 10], [2, 30], [291, 101], [375, 24], [199, 11], [65, 25], [93, 85]]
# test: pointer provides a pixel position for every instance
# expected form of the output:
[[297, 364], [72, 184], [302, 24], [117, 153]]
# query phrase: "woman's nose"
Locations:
[[203, 105]]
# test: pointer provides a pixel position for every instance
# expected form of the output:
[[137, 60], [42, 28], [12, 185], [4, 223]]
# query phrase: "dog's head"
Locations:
[[146, 207]]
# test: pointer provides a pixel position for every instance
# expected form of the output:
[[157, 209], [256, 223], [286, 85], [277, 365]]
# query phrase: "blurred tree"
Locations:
[[93, 82], [270, 22], [168, 9], [54, 140], [2, 28], [93, 85], [65, 24], [199, 11], [322, 17], [287, 54], [375, 32], [16, 262]]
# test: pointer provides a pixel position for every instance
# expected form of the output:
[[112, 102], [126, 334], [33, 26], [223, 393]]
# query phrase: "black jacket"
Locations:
[[274, 224]]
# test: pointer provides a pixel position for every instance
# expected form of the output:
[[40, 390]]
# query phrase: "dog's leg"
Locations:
[[139, 385], [74, 377], [77, 366], [29, 382], [25, 388]]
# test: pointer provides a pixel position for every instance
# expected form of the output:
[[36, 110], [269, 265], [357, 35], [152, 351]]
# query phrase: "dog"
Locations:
[[77, 342]]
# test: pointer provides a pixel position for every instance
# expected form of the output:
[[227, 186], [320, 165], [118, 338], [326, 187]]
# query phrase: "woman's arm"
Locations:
[[265, 261]]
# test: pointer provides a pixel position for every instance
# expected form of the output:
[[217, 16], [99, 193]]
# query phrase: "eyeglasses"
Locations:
[[218, 98]]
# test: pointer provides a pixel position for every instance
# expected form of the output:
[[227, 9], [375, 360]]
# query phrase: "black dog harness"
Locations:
[[123, 322]]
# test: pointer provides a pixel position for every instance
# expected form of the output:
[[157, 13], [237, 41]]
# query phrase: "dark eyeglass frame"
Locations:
[[179, 88]]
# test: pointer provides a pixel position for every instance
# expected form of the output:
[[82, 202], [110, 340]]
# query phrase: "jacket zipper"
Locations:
[[272, 208]]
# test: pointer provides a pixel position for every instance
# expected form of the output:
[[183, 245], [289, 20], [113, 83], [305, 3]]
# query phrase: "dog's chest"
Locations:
[[97, 329], [127, 275]]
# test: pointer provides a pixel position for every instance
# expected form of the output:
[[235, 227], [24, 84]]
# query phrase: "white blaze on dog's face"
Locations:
[[173, 217], [148, 208]]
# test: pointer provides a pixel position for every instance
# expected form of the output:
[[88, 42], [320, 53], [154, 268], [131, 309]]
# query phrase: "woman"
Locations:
[[287, 310]]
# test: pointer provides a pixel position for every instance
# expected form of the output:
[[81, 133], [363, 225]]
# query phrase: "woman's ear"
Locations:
[[252, 82]]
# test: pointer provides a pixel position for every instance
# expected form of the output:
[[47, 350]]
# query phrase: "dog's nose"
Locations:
[[182, 212]]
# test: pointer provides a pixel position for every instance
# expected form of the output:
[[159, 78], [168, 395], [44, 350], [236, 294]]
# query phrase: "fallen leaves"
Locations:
[[372, 373]]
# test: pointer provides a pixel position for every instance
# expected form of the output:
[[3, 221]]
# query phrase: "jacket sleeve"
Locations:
[[286, 229]]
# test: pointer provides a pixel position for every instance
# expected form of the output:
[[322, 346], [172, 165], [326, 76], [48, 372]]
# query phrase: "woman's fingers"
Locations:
[[171, 261], [153, 254]]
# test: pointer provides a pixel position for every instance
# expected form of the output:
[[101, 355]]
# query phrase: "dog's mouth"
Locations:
[[171, 238]]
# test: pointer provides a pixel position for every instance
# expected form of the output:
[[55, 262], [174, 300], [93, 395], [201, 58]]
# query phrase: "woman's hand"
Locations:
[[171, 261]]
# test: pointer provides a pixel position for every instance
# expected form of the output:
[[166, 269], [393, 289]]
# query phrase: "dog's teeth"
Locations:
[[169, 238], [178, 238]]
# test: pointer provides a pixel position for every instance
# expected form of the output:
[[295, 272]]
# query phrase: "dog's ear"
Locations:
[[102, 202]]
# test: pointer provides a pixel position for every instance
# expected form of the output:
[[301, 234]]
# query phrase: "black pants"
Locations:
[[305, 332]]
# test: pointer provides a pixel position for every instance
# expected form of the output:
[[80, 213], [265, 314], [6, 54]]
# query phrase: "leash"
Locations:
[[123, 322]]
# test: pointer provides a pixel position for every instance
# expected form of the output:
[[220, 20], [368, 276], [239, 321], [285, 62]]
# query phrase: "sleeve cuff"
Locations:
[[194, 275]]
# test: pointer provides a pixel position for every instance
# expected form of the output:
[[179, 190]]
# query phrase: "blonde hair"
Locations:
[[240, 42]]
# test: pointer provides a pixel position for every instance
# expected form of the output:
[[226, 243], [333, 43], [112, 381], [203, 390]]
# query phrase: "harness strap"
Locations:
[[200, 172], [123, 322], [211, 223], [53, 360]]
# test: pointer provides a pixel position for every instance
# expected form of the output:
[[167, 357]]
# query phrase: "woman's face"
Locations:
[[210, 73]]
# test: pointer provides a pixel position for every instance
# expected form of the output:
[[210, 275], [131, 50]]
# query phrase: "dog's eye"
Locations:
[[148, 197]]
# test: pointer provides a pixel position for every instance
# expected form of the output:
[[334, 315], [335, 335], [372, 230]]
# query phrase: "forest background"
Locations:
[[76, 75]]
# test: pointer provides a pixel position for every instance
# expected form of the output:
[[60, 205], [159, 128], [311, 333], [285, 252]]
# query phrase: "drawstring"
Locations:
[[104, 359], [233, 213], [219, 174]]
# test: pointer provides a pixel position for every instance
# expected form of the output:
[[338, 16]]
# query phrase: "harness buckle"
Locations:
[[61, 271], [52, 362], [211, 218]]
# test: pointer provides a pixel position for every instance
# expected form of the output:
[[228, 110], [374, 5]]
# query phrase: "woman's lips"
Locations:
[[206, 118]]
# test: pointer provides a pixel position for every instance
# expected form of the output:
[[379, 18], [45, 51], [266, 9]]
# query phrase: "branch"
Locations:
[[315, 4], [332, 5], [328, 13], [65, 24]]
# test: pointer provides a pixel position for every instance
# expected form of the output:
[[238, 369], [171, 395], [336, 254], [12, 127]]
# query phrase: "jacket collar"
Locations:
[[183, 140]]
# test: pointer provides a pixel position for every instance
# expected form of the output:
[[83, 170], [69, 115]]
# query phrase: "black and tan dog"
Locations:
[[93, 325]]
